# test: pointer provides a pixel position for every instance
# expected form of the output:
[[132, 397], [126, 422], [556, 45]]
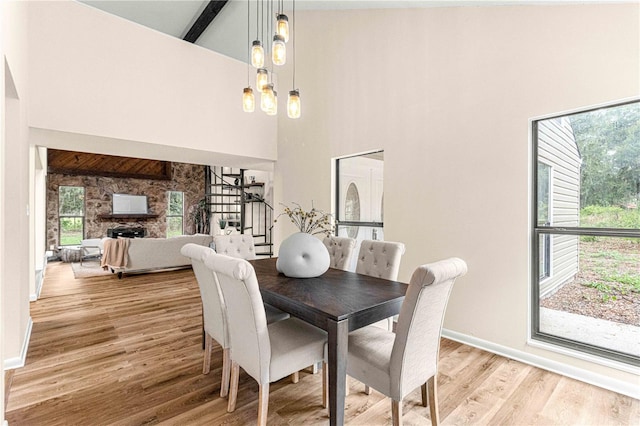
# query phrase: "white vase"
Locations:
[[302, 255]]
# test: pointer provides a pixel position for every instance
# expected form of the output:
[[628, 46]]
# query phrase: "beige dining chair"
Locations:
[[397, 363], [241, 246], [340, 251], [380, 259], [266, 352], [214, 311]]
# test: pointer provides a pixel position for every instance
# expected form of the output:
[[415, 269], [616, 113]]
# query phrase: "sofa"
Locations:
[[144, 254]]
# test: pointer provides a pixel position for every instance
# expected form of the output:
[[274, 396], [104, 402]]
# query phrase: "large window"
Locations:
[[70, 215], [359, 192], [586, 228], [175, 213]]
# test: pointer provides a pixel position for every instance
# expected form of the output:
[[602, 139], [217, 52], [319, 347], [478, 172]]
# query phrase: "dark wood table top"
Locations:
[[335, 295]]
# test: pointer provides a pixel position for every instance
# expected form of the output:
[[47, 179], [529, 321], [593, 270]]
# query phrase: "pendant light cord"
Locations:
[[294, 44]]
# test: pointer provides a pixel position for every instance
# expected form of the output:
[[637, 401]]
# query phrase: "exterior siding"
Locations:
[[557, 148]]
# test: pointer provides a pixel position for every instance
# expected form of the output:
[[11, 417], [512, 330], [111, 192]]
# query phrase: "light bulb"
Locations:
[[293, 104], [282, 27], [278, 50], [262, 79], [257, 54], [248, 100], [267, 98]]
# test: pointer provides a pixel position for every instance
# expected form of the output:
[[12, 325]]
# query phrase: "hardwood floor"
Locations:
[[128, 352]]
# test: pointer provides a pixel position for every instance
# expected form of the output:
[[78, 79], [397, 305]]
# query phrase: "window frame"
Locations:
[[74, 216], [338, 203], [538, 231]]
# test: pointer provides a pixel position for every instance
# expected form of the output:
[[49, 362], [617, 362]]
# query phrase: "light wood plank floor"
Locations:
[[128, 352]]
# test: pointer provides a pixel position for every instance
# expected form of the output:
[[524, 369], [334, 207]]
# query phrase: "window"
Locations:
[[586, 231], [70, 215], [175, 213], [359, 189]]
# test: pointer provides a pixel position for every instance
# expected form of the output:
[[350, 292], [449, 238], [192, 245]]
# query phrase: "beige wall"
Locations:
[[14, 181], [448, 94], [95, 74]]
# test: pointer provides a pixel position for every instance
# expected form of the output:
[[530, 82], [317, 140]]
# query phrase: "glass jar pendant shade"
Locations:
[[293, 104], [279, 50], [267, 98], [248, 100], [262, 79], [257, 54], [282, 27]]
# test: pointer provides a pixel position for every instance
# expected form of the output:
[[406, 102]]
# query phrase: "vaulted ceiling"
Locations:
[[221, 26]]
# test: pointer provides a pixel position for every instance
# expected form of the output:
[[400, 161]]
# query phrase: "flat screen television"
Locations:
[[129, 204]]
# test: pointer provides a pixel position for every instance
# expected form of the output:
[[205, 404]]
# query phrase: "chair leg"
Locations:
[[233, 387], [325, 375], [295, 377], [367, 389], [208, 348], [425, 394], [396, 412], [263, 404], [226, 372], [433, 401]]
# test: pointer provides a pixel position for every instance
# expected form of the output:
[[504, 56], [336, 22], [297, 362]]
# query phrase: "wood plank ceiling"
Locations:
[[87, 164]]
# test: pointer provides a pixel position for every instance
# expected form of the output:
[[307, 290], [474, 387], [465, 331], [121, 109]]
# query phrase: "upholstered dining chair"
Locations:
[[340, 251], [242, 246], [267, 352], [380, 259], [235, 245], [397, 363], [214, 311]]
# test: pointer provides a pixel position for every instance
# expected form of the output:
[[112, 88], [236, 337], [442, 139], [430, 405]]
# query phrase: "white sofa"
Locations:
[[159, 253]]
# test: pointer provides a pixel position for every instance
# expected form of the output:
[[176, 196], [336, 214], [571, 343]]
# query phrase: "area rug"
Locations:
[[89, 268]]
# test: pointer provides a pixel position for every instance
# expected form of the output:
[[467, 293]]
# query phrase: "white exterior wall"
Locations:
[[557, 148], [449, 95]]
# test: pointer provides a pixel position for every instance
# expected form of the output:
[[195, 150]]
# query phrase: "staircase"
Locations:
[[240, 205]]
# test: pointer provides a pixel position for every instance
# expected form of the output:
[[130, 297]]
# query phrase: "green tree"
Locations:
[[609, 144]]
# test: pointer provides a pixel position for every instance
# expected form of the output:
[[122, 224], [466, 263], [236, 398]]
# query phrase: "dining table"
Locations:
[[338, 302]]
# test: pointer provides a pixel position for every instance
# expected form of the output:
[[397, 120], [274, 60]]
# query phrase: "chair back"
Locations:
[[380, 259], [240, 246], [340, 251], [247, 322], [213, 307], [414, 358]]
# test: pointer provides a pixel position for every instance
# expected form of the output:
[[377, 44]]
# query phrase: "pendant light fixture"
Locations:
[[293, 102], [262, 79], [270, 19], [248, 99], [278, 50], [257, 54], [267, 98], [282, 26]]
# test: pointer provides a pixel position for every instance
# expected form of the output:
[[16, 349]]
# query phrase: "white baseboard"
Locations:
[[17, 362], [586, 376]]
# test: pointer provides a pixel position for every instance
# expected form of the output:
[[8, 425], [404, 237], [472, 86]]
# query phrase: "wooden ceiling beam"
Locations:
[[206, 17]]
